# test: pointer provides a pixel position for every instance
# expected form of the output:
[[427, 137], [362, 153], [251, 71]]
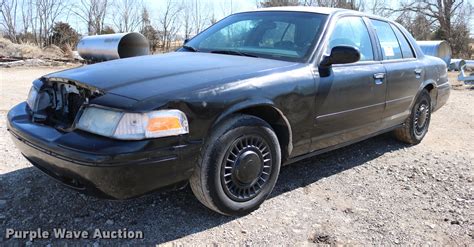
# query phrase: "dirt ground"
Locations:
[[377, 192]]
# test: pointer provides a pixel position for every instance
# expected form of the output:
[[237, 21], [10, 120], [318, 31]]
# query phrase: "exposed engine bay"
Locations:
[[57, 102]]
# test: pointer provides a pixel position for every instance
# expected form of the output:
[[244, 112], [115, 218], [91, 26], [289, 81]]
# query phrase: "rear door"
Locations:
[[350, 101], [404, 72]]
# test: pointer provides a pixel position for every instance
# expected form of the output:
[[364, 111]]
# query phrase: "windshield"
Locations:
[[288, 36]]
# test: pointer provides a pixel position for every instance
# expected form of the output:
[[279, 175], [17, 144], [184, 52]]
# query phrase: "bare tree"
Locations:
[[127, 15], [377, 7], [9, 11], [213, 20], [168, 23], [195, 16], [187, 19], [277, 3], [346, 4], [26, 17], [47, 12], [444, 15], [149, 31], [417, 25], [442, 11], [460, 33], [145, 21], [228, 7], [201, 15], [93, 13]]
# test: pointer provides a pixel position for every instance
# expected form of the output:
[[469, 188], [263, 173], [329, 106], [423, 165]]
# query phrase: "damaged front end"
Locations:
[[57, 102]]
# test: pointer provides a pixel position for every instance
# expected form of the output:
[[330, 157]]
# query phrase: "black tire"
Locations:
[[416, 126], [238, 166]]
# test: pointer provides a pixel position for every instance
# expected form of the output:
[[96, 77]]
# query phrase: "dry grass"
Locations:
[[9, 49]]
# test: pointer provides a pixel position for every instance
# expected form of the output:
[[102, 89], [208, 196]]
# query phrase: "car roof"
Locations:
[[319, 10]]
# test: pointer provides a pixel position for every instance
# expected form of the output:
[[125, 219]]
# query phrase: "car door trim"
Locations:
[[355, 64], [401, 99], [399, 60], [329, 115]]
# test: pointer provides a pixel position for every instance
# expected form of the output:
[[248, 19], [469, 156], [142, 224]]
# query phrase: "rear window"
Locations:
[[388, 40], [407, 52]]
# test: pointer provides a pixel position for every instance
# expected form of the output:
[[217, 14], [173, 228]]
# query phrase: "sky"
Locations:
[[217, 8], [222, 8]]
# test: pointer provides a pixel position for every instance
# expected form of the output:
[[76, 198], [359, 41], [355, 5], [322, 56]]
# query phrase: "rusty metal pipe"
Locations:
[[436, 48], [106, 47]]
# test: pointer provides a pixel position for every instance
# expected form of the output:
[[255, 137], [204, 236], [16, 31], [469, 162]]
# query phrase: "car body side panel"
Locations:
[[290, 91], [349, 104], [435, 73], [402, 87], [436, 76], [443, 88]]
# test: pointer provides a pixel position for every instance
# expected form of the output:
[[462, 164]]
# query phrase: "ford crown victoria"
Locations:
[[255, 91]]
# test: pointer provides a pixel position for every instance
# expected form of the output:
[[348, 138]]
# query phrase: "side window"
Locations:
[[407, 52], [388, 40], [352, 31]]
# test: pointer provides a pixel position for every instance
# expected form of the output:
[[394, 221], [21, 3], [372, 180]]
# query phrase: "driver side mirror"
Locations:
[[341, 55]]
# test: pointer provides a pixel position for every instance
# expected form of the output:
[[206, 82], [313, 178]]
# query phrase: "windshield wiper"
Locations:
[[190, 48], [233, 52]]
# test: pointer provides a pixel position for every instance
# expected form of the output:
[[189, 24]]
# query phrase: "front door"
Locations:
[[350, 101]]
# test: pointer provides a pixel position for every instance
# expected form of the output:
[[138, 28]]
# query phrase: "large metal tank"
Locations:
[[436, 48], [99, 48]]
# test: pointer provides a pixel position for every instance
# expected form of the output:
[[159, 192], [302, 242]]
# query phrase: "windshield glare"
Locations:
[[288, 36]]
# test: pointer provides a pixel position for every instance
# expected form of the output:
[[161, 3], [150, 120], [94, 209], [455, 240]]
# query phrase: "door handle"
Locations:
[[379, 77], [418, 72]]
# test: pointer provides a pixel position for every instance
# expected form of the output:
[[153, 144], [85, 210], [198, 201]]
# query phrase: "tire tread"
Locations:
[[405, 133], [199, 177]]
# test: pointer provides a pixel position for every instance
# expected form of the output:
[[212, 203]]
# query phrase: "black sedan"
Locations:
[[255, 91]]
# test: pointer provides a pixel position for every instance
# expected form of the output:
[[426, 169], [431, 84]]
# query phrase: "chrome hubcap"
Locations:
[[421, 119], [246, 168]]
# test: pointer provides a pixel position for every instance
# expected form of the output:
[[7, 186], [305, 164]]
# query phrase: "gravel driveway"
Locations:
[[378, 192]]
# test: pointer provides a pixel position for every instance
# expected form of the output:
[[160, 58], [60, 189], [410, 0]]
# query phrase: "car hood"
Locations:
[[146, 76]]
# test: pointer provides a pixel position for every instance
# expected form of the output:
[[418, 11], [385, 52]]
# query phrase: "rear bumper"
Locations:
[[102, 166], [443, 91]]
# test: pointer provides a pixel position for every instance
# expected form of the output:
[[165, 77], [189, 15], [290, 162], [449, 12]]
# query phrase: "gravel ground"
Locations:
[[377, 192]]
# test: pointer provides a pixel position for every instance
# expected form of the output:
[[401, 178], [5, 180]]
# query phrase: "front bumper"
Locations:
[[102, 166]]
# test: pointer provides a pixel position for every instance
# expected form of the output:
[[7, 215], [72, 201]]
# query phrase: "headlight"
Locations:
[[133, 126], [38, 100], [32, 98]]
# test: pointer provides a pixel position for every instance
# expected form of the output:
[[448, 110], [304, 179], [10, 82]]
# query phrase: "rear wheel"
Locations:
[[416, 126], [238, 167]]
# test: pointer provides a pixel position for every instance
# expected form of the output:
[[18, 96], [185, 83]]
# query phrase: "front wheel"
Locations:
[[238, 167], [416, 126]]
